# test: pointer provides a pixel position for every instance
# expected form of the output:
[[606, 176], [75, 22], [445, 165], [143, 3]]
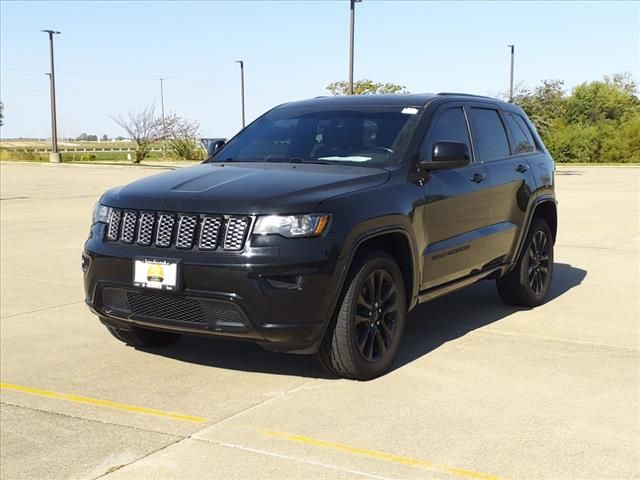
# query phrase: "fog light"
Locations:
[[289, 282], [86, 261]]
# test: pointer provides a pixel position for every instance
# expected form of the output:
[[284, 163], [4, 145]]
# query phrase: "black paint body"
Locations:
[[446, 228]]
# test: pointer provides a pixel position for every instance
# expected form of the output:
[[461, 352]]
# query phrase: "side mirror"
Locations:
[[214, 146], [448, 155]]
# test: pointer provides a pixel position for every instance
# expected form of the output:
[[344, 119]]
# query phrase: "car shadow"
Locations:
[[447, 318], [428, 326]]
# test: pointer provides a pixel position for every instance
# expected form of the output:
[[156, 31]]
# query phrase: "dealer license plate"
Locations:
[[160, 274]]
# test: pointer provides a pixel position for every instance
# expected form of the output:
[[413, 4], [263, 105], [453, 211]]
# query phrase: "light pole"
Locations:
[[351, 34], [512, 47], [54, 156], [164, 126], [241, 62]]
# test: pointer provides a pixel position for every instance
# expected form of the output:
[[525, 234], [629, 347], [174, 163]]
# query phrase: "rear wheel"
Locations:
[[364, 338], [529, 281], [140, 337]]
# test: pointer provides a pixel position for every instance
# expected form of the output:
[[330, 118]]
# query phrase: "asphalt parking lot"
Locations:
[[481, 390]]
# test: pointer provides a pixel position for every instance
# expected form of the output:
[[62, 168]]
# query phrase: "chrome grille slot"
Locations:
[[186, 231], [114, 225], [165, 230], [209, 233], [179, 230], [235, 233], [128, 227], [145, 228]]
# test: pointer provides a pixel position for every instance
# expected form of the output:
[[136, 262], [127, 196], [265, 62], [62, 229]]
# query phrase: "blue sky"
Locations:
[[111, 53]]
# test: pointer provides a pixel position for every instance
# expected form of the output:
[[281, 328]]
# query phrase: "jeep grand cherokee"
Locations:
[[321, 224]]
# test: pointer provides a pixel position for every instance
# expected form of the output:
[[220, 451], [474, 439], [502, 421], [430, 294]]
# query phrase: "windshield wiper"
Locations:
[[296, 160]]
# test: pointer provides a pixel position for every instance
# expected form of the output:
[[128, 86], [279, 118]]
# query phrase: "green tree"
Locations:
[[544, 105], [365, 87], [184, 142], [596, 122], [608, 100], [1, 113]]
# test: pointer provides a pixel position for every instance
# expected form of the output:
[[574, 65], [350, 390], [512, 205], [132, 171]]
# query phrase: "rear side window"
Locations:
[[450, 126], [523, 141], [489, 132]]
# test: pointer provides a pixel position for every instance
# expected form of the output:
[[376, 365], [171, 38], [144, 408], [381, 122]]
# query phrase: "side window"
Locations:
[[489, 133], [450, 126], [369, 132], [522, 139]]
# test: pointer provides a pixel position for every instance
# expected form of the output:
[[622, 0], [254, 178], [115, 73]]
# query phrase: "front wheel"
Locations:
[[363, 340], [528, 283]]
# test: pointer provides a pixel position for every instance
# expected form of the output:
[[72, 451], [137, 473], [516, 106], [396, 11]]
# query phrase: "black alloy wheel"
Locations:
[[364, 337], [538, 262], [376, 315]]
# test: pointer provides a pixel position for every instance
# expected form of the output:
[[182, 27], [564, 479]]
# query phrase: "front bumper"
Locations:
[[281, 298]]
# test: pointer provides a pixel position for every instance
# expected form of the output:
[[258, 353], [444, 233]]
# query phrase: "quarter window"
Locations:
[[450, 126], [490, 134], [523, 141]]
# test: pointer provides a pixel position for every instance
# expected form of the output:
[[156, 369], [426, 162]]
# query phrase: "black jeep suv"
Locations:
[[320, 225]]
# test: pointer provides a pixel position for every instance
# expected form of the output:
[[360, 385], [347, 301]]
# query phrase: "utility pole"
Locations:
[[512, 47], [241, 62], [351, 41], [54, 156], [164, 126]]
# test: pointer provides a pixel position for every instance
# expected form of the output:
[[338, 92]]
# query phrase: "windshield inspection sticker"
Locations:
[[410, 110], [355, 158]]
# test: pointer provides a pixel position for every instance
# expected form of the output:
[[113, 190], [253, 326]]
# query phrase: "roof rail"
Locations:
[[466, 95]]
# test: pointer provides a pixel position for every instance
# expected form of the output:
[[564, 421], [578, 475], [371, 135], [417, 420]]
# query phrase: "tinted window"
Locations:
[[489, 132], [272, 141], [450, 126], [364, 136], [522, 139]]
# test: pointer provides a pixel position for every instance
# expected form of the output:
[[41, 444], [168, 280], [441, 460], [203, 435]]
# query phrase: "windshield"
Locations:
[[363, 136]]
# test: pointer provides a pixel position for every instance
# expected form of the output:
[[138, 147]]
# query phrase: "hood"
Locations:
[[244, 188]]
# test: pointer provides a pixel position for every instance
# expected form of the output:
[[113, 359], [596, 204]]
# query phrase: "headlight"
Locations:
[[101, 213], [292, 226]]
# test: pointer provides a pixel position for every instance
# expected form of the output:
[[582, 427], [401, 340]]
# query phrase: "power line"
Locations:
[[148, 77]]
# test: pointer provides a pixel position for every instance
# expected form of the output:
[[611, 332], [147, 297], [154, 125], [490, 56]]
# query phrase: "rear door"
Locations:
[[501, 145], [457, 205]]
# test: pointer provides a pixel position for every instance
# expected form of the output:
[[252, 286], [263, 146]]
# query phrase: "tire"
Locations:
[[527, 284], [364, 337], [140, 337]]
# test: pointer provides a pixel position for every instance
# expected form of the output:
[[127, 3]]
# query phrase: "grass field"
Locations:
[[37, 145], [38, 151]]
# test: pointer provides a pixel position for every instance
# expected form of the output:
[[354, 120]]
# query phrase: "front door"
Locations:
[[456, 209]]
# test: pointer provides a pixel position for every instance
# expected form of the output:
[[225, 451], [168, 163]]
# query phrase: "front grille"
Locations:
[[236, 233], [201, 312], [165, 230], [166, 307], [114, 224], [184, 231], [209, 233], [228, 318], [145, 228], [128, 227]]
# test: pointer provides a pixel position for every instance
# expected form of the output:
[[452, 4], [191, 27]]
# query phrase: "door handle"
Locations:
[[522, 168], [478, 177]]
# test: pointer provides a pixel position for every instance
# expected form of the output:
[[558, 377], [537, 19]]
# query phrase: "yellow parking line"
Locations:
[[102, 403], [388, 457]]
